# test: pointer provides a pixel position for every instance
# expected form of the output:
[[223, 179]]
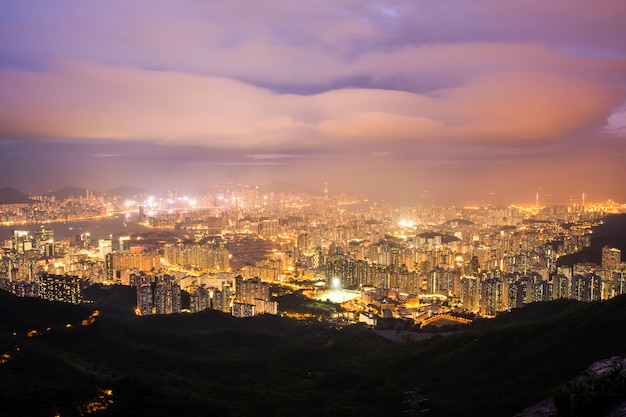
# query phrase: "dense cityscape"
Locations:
[[235, 249], [322, 208]]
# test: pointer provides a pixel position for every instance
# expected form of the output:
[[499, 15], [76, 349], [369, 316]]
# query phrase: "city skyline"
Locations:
[[478, 102]]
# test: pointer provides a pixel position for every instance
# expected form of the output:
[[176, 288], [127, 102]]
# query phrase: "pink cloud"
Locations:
[[380, 126], [528, 106], [79, 100], [481, 89]]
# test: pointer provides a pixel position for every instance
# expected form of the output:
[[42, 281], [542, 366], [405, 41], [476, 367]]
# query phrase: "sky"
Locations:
[[482, 101]]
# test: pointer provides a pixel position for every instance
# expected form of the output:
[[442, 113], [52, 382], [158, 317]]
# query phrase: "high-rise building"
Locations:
[[587, 287], [469, 293], [144, 299], [108, 264], [21, 241], [560, 287], [268, 228], [44, 236], [86, 239], [619, 283], [19, 288], [104, 247], [166, 296], [142, 215], [222, 299], [241, 310], [252, 289], [59, 288], [611, 258], [304, 244], [124, 243], [200, 299], [265, 306], [136, 259], [198, 255], [493, 296]]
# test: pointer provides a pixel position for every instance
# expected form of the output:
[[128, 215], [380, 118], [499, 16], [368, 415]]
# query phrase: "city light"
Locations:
[[194, 241]]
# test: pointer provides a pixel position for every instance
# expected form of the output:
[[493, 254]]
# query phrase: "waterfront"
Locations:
[[97, 228]]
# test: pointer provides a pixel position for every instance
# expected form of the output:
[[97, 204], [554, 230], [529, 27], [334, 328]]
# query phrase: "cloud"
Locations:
[[92, 101], [377, 126], [107, 155], [414, 45], [528, 106], [270, 156], [475, 90], [616, 123]]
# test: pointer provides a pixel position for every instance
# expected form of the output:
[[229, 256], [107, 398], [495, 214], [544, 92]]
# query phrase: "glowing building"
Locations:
[[144, 299], [611, 258], [59, 288]]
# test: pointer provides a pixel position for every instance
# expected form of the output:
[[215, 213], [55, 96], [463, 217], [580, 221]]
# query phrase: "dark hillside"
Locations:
[[214, 364], [115, 300], [9, 195], [505, 367]]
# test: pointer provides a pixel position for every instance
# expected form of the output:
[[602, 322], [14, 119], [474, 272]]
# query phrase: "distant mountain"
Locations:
[[10, 195], [127, 192], [72, 192]]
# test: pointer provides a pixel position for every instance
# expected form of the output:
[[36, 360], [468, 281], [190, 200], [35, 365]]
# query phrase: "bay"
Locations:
[[118, 225]]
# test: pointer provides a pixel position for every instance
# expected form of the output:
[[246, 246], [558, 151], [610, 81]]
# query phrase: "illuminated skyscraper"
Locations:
[[560, 286], [241, 310], [619, 283], [108, 265], [124, 243], [166, 296], [469, 293], [611, 258], [86, 238], [44, 236], [200, 299], [268, 228], [21, 241], [59, 288], [493, 296], [144, 299], [252, 289], [104, 247], [587, 287], [142, 215]]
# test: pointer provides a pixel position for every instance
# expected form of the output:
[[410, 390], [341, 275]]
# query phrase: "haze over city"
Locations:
[[476, 102], [338, 208]]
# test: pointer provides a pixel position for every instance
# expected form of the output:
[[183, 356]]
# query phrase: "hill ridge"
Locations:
[[182, 364]]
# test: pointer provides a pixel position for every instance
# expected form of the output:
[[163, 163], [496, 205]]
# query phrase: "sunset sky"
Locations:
[[481, 101]]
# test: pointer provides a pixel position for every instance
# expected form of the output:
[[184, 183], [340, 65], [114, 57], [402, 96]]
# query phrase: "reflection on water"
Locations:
[[98, 229]]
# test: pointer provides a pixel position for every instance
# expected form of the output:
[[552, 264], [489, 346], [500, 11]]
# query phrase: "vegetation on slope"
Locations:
[[211, 363]]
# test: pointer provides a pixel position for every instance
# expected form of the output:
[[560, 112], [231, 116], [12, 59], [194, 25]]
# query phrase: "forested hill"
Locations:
[[63, 359]]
